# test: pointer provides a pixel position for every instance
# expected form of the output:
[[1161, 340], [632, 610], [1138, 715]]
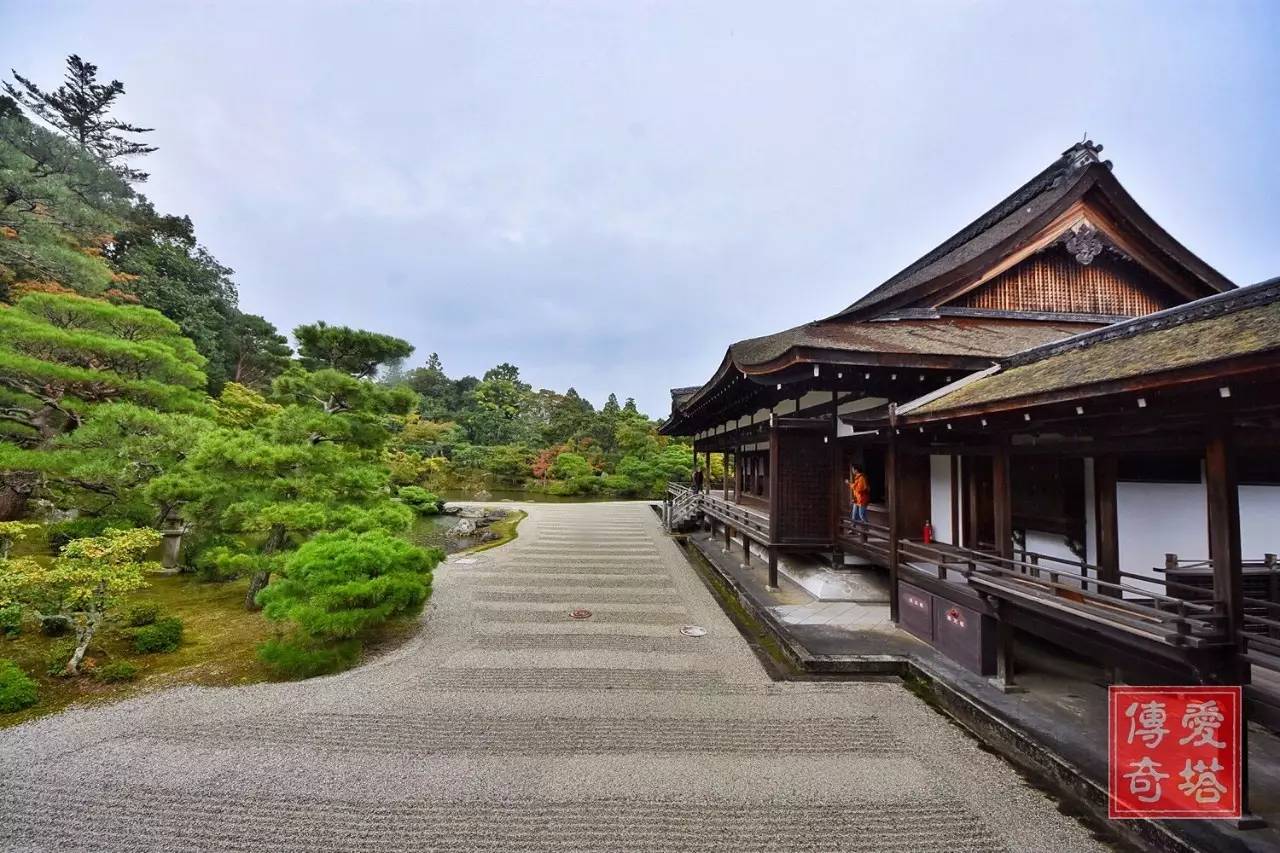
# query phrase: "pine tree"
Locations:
[[60, 354], [353, 351], [62, 358], [81, 109]]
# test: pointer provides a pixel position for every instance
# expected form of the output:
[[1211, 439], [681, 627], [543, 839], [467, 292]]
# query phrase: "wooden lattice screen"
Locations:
[[1053, 281], [804, 495]]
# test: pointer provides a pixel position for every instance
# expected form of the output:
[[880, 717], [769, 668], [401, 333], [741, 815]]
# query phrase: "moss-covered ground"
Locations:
[[219, 642], [218, 647], [506, 530]]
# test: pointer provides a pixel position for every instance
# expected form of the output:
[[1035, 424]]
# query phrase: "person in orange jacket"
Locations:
[[860, 493]]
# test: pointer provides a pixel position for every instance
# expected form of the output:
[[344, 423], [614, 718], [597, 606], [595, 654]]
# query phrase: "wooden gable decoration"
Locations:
[[1078, 265], [1053, 281]]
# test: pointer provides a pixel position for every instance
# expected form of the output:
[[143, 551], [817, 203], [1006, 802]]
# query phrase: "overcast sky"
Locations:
[[608, 194]]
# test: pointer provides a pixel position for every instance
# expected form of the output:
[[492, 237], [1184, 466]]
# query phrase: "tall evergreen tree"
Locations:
[[81, 108]]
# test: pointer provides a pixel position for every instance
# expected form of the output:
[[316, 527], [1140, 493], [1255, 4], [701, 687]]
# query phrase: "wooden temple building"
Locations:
[[1084, 414]]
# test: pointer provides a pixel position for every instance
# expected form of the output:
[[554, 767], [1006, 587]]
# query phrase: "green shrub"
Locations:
[[570, 466], [292, 660], [17, 691], [58, 655], [142, 613], [121, 670], [420, 500], [209, 554], [337, 585], [55, 626], [11, 620], [62, 532], [163, 636]]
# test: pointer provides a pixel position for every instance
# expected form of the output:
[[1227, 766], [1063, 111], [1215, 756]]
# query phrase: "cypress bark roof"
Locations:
[[982, 337]]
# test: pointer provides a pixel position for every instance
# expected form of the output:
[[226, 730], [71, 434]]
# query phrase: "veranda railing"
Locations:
[[1072, 585]]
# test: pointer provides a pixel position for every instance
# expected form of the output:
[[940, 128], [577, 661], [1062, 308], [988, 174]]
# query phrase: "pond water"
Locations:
[[429, 532]]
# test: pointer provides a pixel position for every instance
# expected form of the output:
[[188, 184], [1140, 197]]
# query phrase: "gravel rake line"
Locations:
[[533, 736], [546, 679], [121, 819], [585, 598], [565, 568], [521, 617], [589, 642], [588, 580]]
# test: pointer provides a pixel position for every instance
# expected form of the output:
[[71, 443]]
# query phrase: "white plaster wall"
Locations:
[[1050, 544], [813, 399], [1090, 515], [940, 498], [855, 405], [1160, 518], [1259, 521]]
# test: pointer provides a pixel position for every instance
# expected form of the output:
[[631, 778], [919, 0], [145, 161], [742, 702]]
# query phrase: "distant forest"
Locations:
[[497, 431], [74, 224]]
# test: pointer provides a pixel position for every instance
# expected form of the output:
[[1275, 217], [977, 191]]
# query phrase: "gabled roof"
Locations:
[[982, 337], [1232, 325], [907, 320], [1013, 221]]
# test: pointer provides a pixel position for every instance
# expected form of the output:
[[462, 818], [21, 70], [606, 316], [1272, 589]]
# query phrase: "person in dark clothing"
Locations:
[[697, 480]]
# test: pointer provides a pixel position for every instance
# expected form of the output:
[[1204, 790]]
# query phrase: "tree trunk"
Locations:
[[275, 541], [256, 584], [84, 636], [15, 490]]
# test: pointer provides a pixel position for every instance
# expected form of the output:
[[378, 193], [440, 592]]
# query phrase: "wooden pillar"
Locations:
[[1223, 495], [774, 495], [1106, 511], [1006, 667], [970, 521], [739, 470], [1002, 500], [836, 480], [893, 476], [724, 459], [1222, 491], [955, 499]]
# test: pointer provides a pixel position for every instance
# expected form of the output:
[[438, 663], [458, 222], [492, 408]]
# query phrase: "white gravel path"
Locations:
[[507, 726]]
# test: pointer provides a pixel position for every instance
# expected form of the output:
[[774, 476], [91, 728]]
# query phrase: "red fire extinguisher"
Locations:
[[928, 532]]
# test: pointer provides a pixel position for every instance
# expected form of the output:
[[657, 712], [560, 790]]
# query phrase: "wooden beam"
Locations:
[[1107, 517]]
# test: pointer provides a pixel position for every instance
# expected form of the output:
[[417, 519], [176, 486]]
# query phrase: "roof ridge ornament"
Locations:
[[1084, 243], [1084, 153]]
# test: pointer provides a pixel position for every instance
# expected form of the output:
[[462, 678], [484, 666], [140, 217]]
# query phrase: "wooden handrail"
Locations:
[[1182, 615]]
